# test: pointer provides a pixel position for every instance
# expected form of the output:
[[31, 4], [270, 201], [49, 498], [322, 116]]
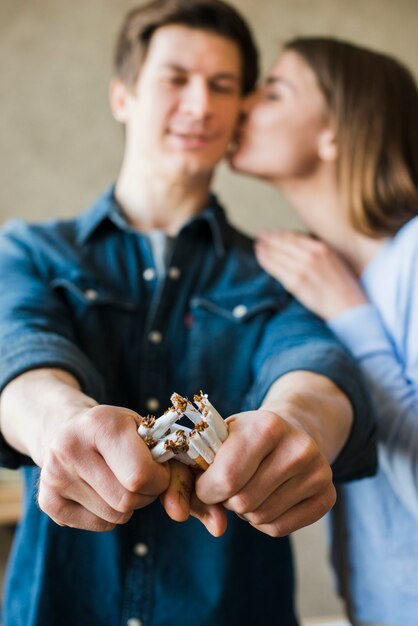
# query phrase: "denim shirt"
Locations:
[[82, 295]]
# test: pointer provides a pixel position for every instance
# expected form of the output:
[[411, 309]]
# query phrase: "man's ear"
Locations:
[[327, 146], [118, 97]]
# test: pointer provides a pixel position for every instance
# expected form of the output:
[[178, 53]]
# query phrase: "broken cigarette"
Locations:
[[165, 422], [211, 415], [167, 439]]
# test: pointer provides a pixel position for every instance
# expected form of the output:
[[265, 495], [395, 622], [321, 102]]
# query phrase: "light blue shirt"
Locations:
[[376, 519]]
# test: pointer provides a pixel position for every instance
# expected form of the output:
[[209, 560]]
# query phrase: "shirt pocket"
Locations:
[[224, 336], [84, 293], [105, 321]]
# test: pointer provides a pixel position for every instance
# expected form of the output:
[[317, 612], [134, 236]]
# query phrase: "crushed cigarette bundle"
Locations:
[[196, 447]]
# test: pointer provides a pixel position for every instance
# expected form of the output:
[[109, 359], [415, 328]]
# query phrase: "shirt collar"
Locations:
[[106, 209]]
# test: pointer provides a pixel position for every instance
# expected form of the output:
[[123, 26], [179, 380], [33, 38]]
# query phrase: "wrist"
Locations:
[[298, 418]]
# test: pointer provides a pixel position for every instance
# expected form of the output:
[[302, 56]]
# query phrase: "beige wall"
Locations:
[[59, 146]]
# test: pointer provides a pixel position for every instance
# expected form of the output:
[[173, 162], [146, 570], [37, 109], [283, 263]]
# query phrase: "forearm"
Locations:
[[33, 402], [314, 404], [395, 397]]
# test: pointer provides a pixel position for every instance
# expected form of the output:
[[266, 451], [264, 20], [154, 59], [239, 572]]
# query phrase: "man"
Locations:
[[151, 292]]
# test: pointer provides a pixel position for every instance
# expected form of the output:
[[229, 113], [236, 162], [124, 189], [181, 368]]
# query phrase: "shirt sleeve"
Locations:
[[394, 395], [295, 339], [35, 329]]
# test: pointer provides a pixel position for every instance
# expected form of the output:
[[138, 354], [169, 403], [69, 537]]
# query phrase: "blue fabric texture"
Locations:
[[77, 298], [375, 521]]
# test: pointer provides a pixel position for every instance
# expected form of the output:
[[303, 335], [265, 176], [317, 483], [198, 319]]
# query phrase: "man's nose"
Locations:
[[195, 100]]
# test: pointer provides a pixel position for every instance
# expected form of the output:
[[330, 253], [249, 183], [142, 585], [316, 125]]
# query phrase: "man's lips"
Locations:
[[192, 137]]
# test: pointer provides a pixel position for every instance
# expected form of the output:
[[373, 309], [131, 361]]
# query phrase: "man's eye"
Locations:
[[226, 88], [175, 80]]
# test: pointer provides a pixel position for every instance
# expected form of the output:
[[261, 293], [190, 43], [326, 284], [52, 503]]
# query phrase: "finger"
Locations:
[[291, 250], [301, 515], [212, 516], [295, 490], [74, 489], [91, 483], [232, 469], [130, 460], [96, 473], [274, 261], [282, 267], [297, 247], [290, 239], [176, 499], [273, 474], [67, 513], [180, 501]]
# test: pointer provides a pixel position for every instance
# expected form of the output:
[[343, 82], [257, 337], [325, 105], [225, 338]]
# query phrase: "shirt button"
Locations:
[[149, 273], [134, 621], [174, 273], [155, 337], [152, 404], [91, 294], [141, 549], [239, 311]]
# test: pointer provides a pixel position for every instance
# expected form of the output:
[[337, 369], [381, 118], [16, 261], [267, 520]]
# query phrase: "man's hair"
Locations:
[[374, 102], [213, 16]]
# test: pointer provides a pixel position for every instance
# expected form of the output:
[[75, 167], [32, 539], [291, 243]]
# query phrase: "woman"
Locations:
[[335, 129]]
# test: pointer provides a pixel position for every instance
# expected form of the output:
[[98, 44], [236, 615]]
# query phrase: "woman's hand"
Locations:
[[311, 271]]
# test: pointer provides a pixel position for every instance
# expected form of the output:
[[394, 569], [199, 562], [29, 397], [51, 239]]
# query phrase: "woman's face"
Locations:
[[287, 121]]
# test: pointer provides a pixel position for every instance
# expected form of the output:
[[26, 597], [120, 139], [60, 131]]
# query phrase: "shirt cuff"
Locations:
[[43, 350], [358, 458]]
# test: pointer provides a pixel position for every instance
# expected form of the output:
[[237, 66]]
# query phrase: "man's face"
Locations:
[[183, 110]]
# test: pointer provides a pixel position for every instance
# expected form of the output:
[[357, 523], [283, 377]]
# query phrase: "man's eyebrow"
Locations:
[[219, 76]]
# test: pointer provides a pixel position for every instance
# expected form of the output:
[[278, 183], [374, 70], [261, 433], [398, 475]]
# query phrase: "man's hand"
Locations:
[[271, 473], [97, 470], [180, 500]]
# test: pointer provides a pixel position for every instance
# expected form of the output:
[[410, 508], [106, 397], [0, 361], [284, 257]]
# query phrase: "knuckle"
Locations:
[[257, 518], [126, 503], [240, 504], [52, 505], [136, 481], [306, 450], [323, 504], [276, 529], [281, 530], [321, 478], [123, 518], [330, 498], [53, 475], [97, 422], [270, 427], [229, 483], [64, 449], [318, 250]]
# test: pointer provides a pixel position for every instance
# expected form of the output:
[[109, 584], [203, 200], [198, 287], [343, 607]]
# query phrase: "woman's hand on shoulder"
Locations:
[[311, 271]]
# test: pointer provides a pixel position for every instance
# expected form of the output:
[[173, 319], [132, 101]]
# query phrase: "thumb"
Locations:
[[212, 516], [180, 501]]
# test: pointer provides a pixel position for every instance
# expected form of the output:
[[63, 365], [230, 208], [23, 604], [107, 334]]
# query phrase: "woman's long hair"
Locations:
[[374, 102]]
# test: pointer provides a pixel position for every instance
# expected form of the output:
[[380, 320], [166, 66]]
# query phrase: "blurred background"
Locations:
[[60, 147]]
